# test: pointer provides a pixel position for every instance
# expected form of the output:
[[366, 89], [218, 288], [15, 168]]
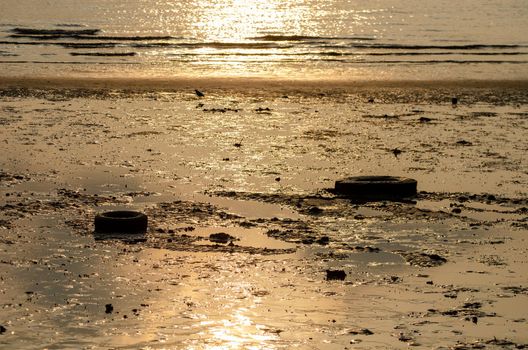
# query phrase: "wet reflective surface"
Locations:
[[444, 270], [301, 39]]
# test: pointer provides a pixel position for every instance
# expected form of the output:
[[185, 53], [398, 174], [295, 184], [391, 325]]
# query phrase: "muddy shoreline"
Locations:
[[241, 85], [443, 270]]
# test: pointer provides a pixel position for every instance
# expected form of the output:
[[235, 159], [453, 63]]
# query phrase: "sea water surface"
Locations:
[[298, 39]]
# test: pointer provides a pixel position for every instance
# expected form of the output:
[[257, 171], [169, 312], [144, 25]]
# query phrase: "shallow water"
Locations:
[[362, 40]]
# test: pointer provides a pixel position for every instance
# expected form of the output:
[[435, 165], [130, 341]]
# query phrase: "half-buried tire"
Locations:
[[371, 188], [121, 221]]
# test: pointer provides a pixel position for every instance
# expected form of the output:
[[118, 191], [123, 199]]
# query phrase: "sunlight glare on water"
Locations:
[[238, 332], [378, 39], [238, 20]]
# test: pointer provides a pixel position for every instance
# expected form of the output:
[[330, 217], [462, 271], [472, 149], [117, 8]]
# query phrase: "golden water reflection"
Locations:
[[237, 332], [237, 20]]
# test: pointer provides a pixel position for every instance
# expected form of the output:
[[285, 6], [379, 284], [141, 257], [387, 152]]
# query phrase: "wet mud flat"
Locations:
[[247, 246]]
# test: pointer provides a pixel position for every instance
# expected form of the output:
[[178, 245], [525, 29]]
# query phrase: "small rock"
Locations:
[[394, 279], [464, 143], [362, 331], [475, 305], [109, 308], [462, 199], [404, 337], [3, 329], [339, 275], [307, 241], [323, 240], [423, 259], [315, 210], [396, 152], [221, 237], [369, 249]]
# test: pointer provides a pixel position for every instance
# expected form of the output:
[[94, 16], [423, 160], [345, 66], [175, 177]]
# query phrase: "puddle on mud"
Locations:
[[245, 237], [252, 209], [474, 210]]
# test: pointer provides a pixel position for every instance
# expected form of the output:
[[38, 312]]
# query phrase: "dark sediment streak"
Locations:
[[63, 32], [103, 54]]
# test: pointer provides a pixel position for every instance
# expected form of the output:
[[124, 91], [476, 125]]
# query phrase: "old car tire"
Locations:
[[121, 221], [376, 187]]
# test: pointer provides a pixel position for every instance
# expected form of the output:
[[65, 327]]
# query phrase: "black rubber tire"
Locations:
[[121, 221], [376, 187]]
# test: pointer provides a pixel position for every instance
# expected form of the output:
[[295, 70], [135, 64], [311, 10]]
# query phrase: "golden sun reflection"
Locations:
[[238, 20], [238, 332]]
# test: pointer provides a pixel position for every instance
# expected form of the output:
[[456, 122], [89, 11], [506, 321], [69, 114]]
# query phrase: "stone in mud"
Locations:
[[3, 329], [109, 308], [475, 305], [423, 259], [308, 241], [504, 342], [339, 275], [404, 337], [12, 177], [323, 240], [362, 331], [464, 143], [221, 237], [516, 289], [314, 211]]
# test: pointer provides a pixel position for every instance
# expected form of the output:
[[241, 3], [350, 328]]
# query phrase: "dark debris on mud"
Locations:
[[325, 203], [423, 259], [408, 95], [470, 311], [516, 290], [7, 177], [482, 344], [170, 223]]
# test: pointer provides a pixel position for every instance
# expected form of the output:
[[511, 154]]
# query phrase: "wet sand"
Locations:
[[254, 159]]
